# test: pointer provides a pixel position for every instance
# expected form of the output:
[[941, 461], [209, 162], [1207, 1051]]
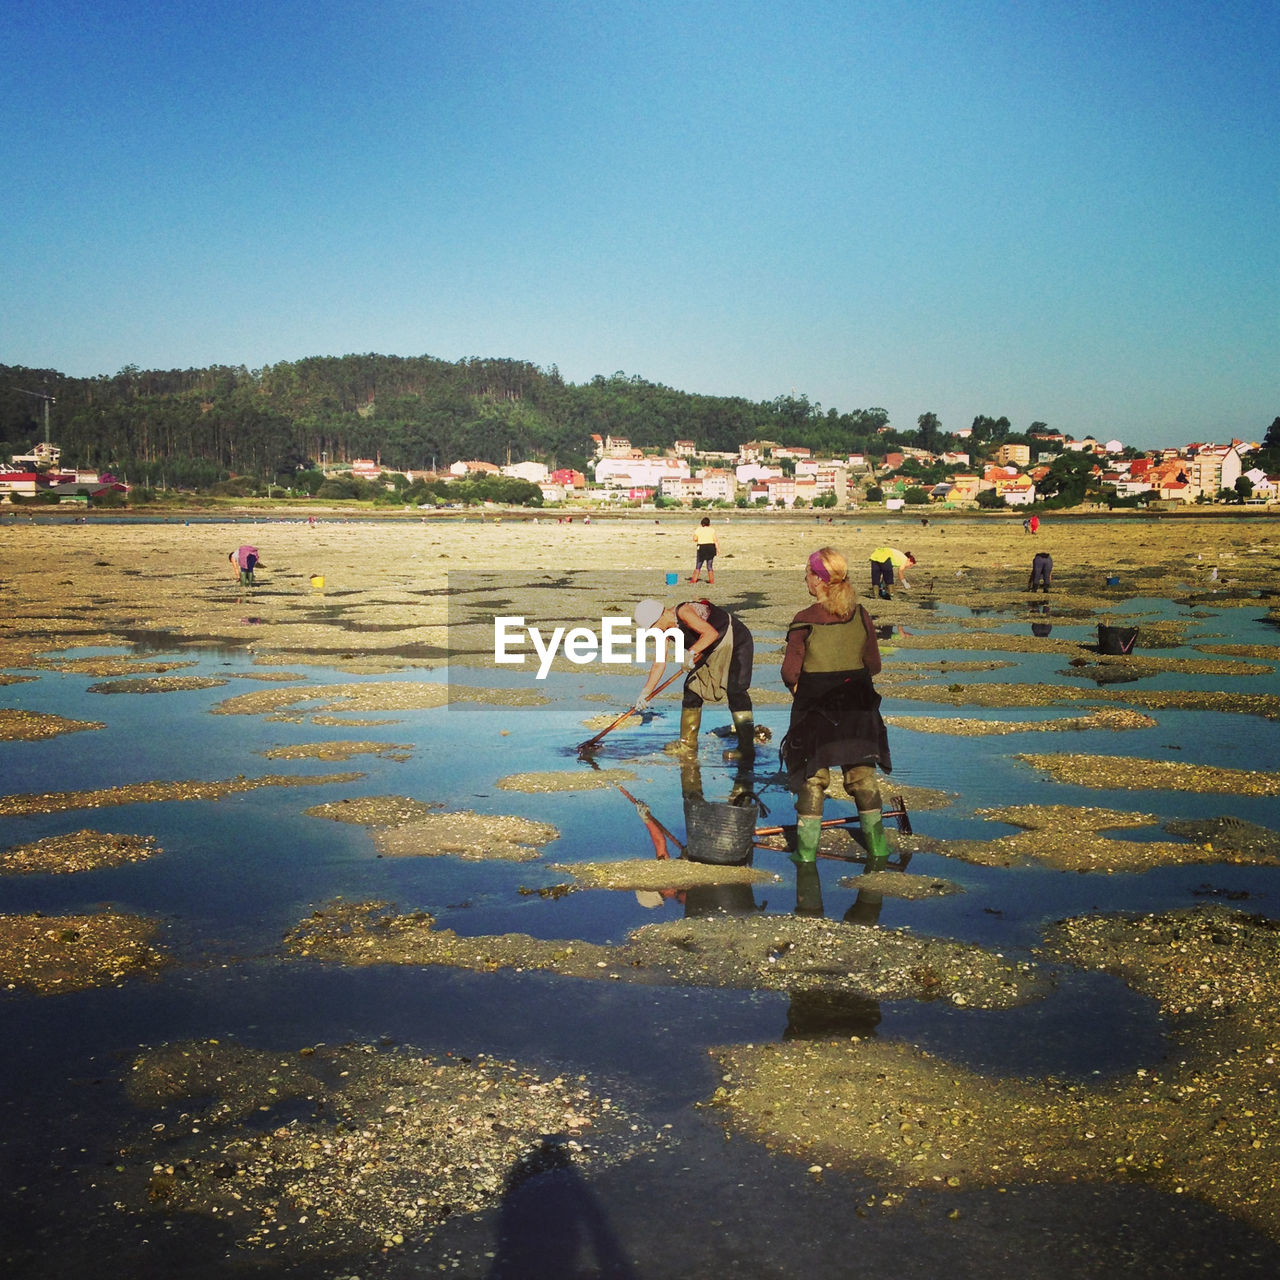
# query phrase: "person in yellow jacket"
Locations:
[[705, 538], [884, 561]]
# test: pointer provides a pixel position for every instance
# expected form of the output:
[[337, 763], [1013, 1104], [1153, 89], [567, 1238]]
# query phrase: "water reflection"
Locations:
[[824, 1013], [722, 834]]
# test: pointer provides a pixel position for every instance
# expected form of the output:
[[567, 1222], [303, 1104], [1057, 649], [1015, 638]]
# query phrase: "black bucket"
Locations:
[[1116, 640], [720, 833]]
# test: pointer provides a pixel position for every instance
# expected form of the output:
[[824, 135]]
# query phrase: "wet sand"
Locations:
[[882, 1108], [384, 605]]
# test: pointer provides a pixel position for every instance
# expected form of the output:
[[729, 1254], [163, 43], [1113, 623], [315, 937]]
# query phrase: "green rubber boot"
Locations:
[[745, 725], [687, 742], [874, 838], [808, 833]]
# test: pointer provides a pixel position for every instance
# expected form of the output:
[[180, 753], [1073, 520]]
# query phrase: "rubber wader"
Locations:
[[874, 838], [745, 726], [808, 833], [687, 742]]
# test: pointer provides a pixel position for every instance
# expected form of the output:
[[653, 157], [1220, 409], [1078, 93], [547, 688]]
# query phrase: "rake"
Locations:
[[592, 743]]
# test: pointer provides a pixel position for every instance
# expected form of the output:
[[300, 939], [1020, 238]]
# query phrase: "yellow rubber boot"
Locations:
[[745, 725], [687, 742]]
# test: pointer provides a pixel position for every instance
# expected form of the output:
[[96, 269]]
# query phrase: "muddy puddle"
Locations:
[[406, 1017]]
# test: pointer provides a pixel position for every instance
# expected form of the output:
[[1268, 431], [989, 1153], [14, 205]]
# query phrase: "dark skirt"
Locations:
[[835, 721]]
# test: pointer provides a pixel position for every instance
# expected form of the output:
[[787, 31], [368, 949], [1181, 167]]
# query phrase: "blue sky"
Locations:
[[1056, 211]]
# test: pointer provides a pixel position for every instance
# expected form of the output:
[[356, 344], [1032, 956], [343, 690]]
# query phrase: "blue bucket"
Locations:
[[1113, 581], [672, 579]]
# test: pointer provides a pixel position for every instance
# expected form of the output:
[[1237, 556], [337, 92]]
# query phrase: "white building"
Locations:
[[681, 488], [1263, 485], [533, 472], [754, 472], [647, 473], [718, 486], [1018, 493]]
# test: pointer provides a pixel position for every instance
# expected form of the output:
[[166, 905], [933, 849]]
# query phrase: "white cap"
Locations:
[[647, 612]]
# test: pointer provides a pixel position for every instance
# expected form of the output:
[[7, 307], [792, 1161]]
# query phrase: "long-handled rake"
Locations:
[[592, 743]]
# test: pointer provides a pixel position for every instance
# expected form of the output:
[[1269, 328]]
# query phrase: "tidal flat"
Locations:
[[469, 1006]]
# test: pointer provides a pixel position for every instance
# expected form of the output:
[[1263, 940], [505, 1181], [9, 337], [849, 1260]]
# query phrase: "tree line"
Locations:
[[196, 426]]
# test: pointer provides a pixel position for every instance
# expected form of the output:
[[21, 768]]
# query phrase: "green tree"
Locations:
[[930, 432], [1067, 480], [987, 430]]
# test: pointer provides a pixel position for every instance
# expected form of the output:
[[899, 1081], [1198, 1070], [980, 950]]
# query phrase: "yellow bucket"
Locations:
[[317, 581]]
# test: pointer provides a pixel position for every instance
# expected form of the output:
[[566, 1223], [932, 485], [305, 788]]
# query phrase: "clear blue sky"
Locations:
[[1048, 210]]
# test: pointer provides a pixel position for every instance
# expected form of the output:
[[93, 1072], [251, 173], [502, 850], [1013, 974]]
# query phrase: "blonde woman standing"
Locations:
[[830, 659]]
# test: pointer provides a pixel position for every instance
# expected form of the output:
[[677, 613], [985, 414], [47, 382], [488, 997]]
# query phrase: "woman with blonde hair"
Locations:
[[830, 658]]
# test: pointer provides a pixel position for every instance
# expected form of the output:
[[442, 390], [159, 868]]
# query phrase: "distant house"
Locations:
[[366, 469], [1176, 491], [684, 448], [1018, 493], [43, 455], [1016, 455], [718, 486], [568, 478], [626, 473], [533, 472], [679, 487], [751, 472], [1264, 486], [964, 490], [22, 483], [782, 492]]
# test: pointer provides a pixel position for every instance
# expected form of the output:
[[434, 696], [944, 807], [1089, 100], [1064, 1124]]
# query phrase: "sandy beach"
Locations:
[[383, 604]]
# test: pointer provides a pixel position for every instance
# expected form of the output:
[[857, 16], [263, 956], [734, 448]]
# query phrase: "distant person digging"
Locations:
[[244, 560], [1041, 571], [884, 561]]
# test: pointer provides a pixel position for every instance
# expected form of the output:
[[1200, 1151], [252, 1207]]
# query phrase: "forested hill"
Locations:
[[409, 412]]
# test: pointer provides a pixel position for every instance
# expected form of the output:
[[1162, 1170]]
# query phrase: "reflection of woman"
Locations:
[[720, 652], [830, 658]]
